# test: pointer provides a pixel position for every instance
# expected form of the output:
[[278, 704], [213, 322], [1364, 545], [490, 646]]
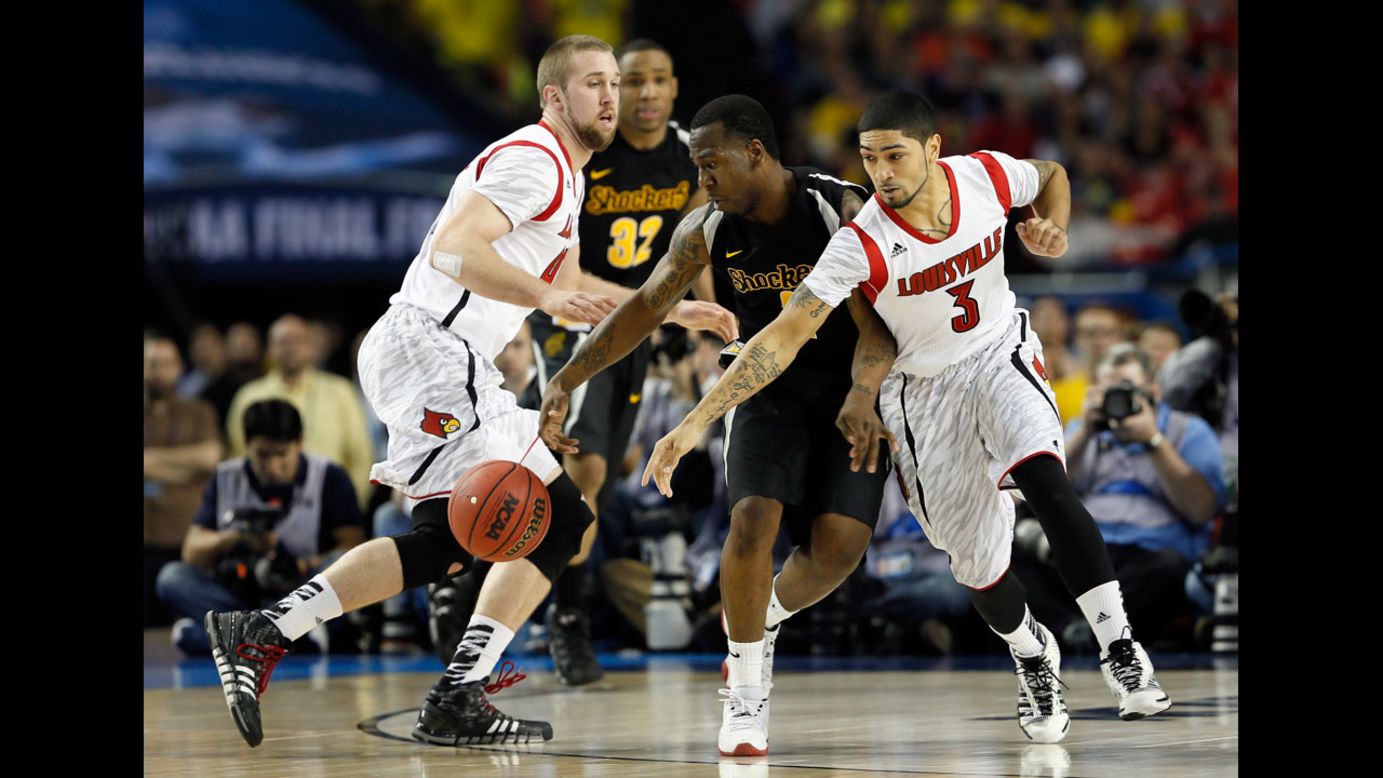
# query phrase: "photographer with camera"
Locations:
[[1152, 478], [266, 521]]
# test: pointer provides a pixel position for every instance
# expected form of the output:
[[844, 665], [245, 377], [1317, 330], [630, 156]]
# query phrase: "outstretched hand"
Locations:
[[666, 454]]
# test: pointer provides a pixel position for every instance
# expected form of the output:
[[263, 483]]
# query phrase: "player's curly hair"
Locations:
[[741, 116], [901, 110]]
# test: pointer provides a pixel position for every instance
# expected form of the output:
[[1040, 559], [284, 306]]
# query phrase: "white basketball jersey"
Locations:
[[528, 176], [942, 298]]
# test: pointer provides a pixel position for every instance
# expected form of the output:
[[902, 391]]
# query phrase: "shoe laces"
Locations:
[[1126, 668], [267, 656], [509, 675], [1039, 682], [748, 712]]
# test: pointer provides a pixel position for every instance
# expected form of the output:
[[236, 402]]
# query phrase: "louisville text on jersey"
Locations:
[[784, 277], [607, 199], [948, 270]]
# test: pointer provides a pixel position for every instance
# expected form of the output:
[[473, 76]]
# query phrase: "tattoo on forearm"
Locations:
[[803, 298], [876, 354], [591, 357], [862, 389], [680, 267], [750, 372], [1045, 170]]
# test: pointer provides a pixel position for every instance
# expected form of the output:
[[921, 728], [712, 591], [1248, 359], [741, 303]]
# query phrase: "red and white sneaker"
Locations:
[[742, 728]]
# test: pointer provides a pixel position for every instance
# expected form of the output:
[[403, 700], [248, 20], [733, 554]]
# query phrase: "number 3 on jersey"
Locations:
[[623, 235], [970, 310]]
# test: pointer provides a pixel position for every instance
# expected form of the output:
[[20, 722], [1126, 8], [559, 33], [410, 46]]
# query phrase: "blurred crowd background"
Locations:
[[297, 151]]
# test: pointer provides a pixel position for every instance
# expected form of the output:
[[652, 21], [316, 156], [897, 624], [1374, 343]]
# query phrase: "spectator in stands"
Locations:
[[1098, 328], [182, 445], [1152, 479], [267, 520], [333, 417], [207, 351], [1159, 340], [244, 363], [1068, 380]]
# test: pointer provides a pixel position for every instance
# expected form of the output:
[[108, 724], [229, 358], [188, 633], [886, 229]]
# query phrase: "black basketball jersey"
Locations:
[[763, 264], [633, 201]]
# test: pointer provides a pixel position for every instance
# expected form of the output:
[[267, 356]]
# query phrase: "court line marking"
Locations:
[[370, 726], [1186, 742]]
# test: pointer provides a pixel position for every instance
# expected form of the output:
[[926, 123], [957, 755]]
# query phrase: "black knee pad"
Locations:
[[570, 518], [427, 550]]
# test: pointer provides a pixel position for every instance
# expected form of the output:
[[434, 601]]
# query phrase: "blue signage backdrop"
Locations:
[[272, 138]]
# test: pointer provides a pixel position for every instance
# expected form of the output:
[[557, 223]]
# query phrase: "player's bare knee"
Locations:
[[753, 526], [838, 542]]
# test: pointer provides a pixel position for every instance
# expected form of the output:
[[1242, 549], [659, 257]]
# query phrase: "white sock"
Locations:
[[1027, 639], [1103, 607], [311, 604], [479, 650], [777, 614], [746, 662]]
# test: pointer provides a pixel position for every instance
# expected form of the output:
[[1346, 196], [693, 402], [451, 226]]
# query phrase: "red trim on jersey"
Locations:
[[991, 585], [560, 145], [878, 271], [1026, 458], [998, 177], [909, 229], [556, 198]]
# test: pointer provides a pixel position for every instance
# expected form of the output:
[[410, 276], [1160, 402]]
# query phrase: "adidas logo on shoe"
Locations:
[[1103, 617], [897, 249]]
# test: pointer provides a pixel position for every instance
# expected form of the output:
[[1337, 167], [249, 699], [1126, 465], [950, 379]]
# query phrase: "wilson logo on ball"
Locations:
[[535, 526], [502, 516]]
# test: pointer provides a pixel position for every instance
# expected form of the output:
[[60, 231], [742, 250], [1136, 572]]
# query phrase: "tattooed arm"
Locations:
[[762, 359], [629, 324], [1045, 233], [875, 351]]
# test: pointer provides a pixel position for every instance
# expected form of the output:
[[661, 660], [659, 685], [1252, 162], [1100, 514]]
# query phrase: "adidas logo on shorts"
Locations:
[[897, 249]]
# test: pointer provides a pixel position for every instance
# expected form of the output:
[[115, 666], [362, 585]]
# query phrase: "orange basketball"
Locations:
[[499, 511]]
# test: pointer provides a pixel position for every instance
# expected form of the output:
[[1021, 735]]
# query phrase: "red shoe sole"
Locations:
[[744, 749]]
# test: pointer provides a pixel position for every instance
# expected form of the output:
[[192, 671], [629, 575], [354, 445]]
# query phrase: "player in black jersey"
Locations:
[[762, 233], [636, 191]]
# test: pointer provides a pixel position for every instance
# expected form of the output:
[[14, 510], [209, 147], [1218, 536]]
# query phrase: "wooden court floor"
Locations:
[[663, 721]]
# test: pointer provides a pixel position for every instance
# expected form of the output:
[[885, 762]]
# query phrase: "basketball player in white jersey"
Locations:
[[504, 243], [965, 399]]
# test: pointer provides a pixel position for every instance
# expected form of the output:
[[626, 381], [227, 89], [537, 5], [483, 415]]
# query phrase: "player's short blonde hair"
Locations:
[[555, 67]]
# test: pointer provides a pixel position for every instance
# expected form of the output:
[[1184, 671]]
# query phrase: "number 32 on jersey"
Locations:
[[625, 233]]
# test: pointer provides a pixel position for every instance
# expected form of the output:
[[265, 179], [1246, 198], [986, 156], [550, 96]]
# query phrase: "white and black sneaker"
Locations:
[[1042, 713], [742, 730], [461, 715], [1129, 674], [246, 645]]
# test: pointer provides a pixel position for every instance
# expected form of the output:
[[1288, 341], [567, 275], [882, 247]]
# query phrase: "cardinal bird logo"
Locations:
[[439, 424]]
